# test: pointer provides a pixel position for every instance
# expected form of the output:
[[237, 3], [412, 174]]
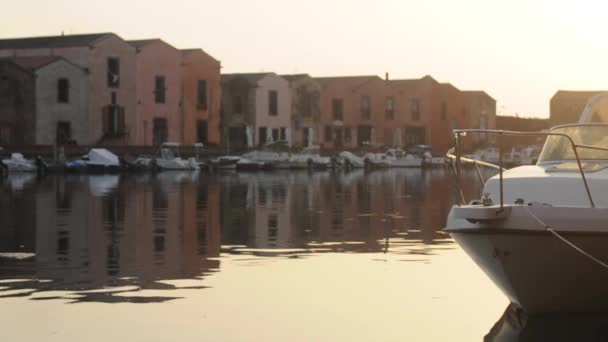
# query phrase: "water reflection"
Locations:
[[109, 238], [515, 326]]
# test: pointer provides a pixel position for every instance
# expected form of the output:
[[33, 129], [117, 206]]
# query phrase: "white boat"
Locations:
[[226, 162], [17, 163], [350, 160], [168, 159], [393, 157], [540, 232], [309, 158], [97, 160]]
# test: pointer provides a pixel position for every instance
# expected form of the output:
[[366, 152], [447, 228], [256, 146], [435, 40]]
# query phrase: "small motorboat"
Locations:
[[539, 231], [98, 160], [168, 159], [349, 160], [225, 162], [274, 153]]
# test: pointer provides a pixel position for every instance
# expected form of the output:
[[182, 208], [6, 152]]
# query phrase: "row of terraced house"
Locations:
[[99, 89]]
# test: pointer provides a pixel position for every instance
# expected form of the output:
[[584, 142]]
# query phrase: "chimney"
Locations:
[[386, 76]]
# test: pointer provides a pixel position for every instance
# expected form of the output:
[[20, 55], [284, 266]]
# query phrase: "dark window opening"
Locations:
[[415, 108], [347, 135], [273, 102], [113, 120], [365, 107], [201, 98], [238, 105], [337, 106], [283, 134], [63, 133], [159, 89], [390, 108], [63, 90], [275, 134], [113, 72], [201, 131], [262, 135], [161, 131], [328, 134]]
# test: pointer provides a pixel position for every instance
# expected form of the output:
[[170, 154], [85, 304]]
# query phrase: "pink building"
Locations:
[[159, 84]]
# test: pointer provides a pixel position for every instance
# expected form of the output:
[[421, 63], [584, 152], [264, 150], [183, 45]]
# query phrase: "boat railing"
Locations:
[[455, 156]]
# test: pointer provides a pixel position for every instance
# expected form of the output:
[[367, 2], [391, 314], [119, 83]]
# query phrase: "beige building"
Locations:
[[482, 111], [566, 106]]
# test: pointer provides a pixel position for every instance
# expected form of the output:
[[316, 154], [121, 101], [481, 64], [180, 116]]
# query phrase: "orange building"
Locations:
[[200, 98]]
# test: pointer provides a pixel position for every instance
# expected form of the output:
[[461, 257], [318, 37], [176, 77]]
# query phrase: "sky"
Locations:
[[519, 52]]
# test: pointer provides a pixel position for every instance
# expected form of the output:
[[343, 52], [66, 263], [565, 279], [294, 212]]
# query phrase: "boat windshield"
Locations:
[[558, 148]]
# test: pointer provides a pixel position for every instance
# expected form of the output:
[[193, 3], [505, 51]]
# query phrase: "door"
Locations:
[[160, 131]]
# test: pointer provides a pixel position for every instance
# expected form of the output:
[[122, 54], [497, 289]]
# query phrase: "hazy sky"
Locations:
[[520, 52]]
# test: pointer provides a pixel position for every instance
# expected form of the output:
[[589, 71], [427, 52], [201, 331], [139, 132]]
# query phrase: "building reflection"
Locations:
[[90, 232]]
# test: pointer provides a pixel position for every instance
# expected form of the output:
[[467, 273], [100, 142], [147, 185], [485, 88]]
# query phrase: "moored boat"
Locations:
[[539, 231]]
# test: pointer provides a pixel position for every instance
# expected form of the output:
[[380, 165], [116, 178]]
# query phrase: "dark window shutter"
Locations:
[[121, 119], [105, 118]]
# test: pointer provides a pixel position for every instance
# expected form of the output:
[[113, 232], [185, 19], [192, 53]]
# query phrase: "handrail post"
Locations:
[[500, 170], [458, 173]]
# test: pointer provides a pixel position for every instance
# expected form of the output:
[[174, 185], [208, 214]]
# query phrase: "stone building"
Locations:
[[110, 63], [200, 98], [256, 110], [159, 84]]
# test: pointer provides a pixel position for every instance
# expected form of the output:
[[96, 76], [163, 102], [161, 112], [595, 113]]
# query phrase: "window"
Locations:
[[365, 107], [390, 108], [63, 90], [308, 100], [283, 134], [415, 109], [262, 135], [273, 105], [347, 135], [5, 90], [275, 134], [238, 105], [328, 133], [201, 131], [444, 110], [113, 72], [113, 98], [337, 106], [201, 98], [63, 132], [159, 89]]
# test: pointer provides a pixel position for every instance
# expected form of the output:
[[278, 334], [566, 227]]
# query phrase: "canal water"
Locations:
[[273, 256]]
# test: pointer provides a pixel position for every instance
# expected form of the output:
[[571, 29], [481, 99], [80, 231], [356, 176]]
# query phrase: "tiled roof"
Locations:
[[199, 51], [294, 77], [142, 42], [476, 93], [574, 94], [54, 41], [252, 78]]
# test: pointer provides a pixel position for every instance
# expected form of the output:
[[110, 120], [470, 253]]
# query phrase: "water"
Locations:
[[276, 256]]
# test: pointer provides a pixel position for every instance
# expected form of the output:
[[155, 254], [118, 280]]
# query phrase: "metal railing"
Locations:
[[457, 159]]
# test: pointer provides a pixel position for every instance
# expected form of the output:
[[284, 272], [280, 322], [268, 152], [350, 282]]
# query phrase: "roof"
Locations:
[[54, 41], [350, 79], [142, 42], [186, 52], [575, 94], [295, 77], [476, 93], [252, 78]]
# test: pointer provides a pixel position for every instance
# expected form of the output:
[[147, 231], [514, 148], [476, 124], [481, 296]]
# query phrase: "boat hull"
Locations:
[[535, 269]]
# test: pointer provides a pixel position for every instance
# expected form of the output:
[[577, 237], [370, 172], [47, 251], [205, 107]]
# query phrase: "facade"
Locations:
[[450, 111], [483, 113], [110, 63], [415, 106], [256, 110], [305, 124], [159, 84], [200, 98], [566, 106], [60, 100], [17, 104], [341, 112]]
